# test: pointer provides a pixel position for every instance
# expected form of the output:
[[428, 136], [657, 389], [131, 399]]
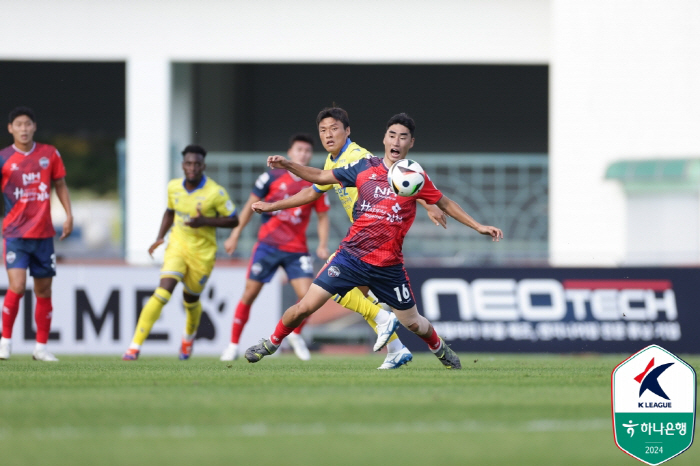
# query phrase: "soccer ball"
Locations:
[[406, 178]]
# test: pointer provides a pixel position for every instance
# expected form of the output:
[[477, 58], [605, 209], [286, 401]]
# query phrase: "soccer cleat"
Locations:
[[132, 354], [186, 349], [447, 357], [230, 353], [385, 331], [5, 349], [256, 352], [43, 355], [397, 359], [299, 346]]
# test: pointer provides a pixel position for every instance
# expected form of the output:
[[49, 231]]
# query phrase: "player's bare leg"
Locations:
[[292, 318], [416, 323]]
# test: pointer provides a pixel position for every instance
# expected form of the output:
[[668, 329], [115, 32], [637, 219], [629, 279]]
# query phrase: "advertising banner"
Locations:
[[96, 308], [559, 309]]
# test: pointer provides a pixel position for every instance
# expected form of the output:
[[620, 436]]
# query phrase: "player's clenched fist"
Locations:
[[276, 161], [260, 207]]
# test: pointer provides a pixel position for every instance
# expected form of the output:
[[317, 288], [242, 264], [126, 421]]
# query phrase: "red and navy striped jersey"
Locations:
[[381, 218], [285, 229], [26, 185]]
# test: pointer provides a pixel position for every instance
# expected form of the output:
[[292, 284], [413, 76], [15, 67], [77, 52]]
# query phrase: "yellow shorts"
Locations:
[[192, 273]]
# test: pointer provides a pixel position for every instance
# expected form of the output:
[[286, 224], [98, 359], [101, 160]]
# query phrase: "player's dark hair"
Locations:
[[19, 111], [402, 119], [336, 113], [301, 137], [195, 149]]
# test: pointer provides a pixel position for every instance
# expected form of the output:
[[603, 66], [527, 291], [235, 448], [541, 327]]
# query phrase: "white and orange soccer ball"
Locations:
[[406, 178]]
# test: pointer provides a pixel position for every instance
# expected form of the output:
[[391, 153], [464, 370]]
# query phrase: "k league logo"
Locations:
[[653, 404]]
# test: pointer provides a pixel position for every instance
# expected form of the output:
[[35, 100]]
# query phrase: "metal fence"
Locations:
[[509, 191]]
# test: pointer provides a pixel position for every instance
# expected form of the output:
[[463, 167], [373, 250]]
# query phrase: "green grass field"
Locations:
[[501, 409]]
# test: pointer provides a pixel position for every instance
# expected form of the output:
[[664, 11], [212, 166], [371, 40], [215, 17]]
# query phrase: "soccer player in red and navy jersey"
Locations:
[[371, 252], [28, 169], [281, 241]]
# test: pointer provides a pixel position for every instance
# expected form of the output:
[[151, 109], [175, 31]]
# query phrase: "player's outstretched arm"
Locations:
[[312, 174], [200, 220], [454, 210], [305, 196], [231, 242], [436, 214], [64, 197], [165, 224]]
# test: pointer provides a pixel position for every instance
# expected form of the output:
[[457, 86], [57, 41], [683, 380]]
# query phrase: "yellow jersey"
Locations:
[[348, 154], [213, 201]]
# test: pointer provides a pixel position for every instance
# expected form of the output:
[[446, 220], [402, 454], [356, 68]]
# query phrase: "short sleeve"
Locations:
[[322, 204], [322, 188], [262, 185], [429, 193], [347, 175], [224, 205], [171, 203], [58, 170]]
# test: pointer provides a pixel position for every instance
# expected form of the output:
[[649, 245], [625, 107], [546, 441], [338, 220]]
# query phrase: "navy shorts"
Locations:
[[37, 255], [389, 284], [266, 259]]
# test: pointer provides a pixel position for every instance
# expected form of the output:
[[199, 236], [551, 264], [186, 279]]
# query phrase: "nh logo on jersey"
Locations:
[[31, 178], [647, 425], [383, 192]]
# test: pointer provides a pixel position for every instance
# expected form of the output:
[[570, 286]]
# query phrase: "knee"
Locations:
[[303, 311], [414, 327]]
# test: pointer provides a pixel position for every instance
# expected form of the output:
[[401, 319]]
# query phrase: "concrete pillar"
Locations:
[[147, 152]]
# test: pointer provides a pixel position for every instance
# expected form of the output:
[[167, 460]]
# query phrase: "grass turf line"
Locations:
[[501, 409]]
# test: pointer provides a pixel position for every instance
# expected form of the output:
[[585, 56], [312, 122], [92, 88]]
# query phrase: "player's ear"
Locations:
[[347, 131], [413, 140]]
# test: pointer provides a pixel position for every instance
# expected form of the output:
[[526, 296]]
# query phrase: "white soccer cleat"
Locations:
[[5, 349], [299, 346], [230, 353], [43, 355], [385, 331], [397, 359]]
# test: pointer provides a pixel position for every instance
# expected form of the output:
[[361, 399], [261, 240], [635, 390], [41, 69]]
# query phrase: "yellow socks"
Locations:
[[149, 314], [194, 314], [358, 302]]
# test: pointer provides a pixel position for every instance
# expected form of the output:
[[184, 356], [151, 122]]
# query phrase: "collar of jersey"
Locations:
[[199, 186], [22, 152], [345, 147]]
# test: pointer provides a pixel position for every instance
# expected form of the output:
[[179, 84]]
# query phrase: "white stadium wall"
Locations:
[[150, 35], [624, 81]]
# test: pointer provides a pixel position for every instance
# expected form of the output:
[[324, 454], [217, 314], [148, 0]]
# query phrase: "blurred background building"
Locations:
[[571, 125]]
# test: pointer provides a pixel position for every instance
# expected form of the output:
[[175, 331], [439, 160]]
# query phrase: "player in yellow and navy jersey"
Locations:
[[197, 205], [334, 130]]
